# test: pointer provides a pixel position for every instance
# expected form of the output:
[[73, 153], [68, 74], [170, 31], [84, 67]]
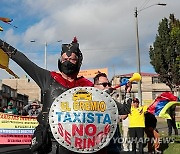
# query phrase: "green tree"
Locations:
[[165, 52]]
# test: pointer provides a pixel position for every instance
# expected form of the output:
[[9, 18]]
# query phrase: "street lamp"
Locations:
[[45, 51], [137, 47]]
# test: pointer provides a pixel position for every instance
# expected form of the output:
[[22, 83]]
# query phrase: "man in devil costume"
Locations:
[[52, 84]]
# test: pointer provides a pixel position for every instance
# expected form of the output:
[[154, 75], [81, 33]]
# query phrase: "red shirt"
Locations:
[[78, 82]]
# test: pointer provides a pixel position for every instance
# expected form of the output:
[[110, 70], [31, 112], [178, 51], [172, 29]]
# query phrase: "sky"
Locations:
[[105, 30]]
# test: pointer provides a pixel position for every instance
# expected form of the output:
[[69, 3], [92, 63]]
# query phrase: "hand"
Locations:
[[109, 90], [8, 49], [128, 87], [3, 44]]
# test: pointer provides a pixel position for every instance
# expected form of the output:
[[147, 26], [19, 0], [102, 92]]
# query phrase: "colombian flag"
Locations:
[[162, 103]]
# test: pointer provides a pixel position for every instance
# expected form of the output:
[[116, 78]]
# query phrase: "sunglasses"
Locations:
[[136, 102], [105, 84]]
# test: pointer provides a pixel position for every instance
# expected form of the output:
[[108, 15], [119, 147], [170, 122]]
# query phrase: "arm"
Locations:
[[39, 75], [126, 106], [123, 117], [27, 107]]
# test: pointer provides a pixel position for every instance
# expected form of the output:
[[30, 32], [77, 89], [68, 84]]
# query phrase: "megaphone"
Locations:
[[136, 77]]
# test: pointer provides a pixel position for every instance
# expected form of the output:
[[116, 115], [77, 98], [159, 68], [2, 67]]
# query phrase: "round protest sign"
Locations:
[[83, 119]]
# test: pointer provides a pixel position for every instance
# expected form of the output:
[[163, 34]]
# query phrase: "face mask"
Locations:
[[69, 68]]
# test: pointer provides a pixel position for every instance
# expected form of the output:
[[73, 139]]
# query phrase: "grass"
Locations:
[[173, 148]]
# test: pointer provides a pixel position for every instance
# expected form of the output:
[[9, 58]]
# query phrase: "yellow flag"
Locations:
[[4, 63], [4, 59]]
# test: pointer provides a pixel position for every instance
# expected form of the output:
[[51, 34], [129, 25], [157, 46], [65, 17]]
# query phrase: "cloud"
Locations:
[[105, 30]]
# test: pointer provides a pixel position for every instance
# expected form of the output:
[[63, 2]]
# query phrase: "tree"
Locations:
[[165, 52]]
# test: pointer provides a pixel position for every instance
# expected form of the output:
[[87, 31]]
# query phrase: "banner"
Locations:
[[92, 73], [16, 129], [83, 119]]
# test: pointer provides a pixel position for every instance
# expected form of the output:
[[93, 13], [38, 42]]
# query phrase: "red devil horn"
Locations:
[[75, 40], [6, 20]]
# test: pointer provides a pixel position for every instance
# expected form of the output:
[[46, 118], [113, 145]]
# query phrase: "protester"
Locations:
[[10, 109], [171, 122], [52, 84], [151, 132], [35, 109], [32, 109], [125, 129], [137, 125], [101, 82]]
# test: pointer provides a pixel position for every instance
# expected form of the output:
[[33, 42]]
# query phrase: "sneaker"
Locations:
[[125, 150], [158, 152]]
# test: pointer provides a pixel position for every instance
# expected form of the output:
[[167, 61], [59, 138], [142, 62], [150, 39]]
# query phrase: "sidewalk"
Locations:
[[162, 126]]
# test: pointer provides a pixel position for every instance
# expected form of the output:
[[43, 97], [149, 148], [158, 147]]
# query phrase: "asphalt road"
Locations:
[[14, 149]]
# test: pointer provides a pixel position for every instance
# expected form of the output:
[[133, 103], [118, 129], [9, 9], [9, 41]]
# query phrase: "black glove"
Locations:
[[8, 49]]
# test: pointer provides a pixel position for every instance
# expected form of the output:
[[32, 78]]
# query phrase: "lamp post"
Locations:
[[45, 51], [45, 56], [137, 47]]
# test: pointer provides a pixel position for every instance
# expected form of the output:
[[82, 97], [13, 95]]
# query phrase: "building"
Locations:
[[24, 86], [7, 93]]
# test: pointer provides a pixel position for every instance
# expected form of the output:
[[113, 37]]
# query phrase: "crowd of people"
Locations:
[[32, 109], [53, 84]]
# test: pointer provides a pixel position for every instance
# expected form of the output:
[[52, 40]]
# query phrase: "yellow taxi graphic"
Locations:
[[82, 95]]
